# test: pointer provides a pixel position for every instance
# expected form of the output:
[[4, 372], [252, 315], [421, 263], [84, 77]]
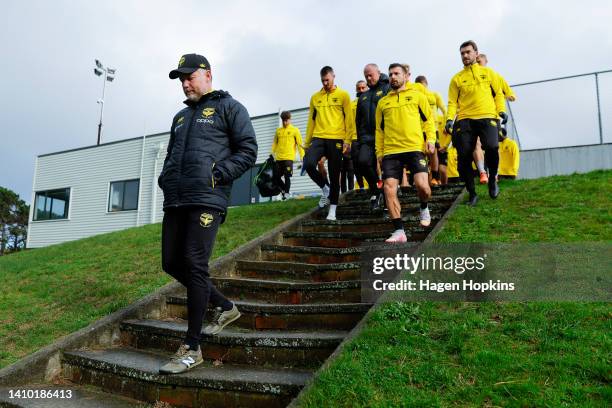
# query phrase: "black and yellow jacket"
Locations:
[[365, 120], [475, 93], [286, 141], [401, 119], [330, 116]]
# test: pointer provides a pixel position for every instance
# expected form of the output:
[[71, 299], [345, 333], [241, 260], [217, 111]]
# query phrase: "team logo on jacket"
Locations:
[[408, 98], [208, 112], [379, 93], [483, 76], [335, 100], [180, 120], [364, 98], [206, 220]]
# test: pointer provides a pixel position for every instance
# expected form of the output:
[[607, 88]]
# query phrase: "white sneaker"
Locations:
[[331, 215], [325, 190], [323, 202], [425, 217], [398, 236], [221, 319]]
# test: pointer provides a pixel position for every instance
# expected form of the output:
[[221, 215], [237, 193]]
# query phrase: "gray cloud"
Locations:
[[267, 54]]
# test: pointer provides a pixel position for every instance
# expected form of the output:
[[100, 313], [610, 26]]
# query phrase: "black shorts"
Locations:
[[285, 167], [443, 158], [394, 164], [466, 132]]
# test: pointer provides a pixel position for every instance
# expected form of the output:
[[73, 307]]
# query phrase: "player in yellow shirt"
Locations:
[[452, 172], [476, 101], [444, 141], [435, 103], [286, 141], [508, 92], [510, 96], [509, 157], [329, 133], [402, 116]]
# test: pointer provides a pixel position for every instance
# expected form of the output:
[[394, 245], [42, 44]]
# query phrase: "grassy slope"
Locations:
[[490, 354], [49, 292]]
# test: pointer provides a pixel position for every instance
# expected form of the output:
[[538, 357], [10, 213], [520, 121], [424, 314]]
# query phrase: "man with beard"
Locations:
[[402, 116], [329, 133], [475, 97]]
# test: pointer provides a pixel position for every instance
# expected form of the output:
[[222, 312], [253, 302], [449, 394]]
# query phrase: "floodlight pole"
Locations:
[[102, 105]]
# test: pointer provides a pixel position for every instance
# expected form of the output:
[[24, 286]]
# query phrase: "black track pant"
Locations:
[[347, 174], [465, 133], [354, 158], [332, 150], [188, 236], [284, 169], [366, 160]]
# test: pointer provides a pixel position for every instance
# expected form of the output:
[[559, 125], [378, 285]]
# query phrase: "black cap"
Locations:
[[189, 63]]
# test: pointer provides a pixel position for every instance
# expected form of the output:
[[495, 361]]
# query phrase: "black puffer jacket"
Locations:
[[212, 142], [365, 119]]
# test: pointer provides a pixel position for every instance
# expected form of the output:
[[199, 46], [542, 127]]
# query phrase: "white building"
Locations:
[[97, 189]]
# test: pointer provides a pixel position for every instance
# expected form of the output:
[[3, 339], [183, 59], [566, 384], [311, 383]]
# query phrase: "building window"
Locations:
[[52, 204], [123, 195]]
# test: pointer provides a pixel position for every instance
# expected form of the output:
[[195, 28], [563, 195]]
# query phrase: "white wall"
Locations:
[[89, 171]]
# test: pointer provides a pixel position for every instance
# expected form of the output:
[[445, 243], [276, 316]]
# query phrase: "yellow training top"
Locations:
[[440, 105], [475, 92], [508, 92], [509, 158], [330, 116], [444, 139], [354, 110], [398, 122], [286, 141], [452, 166]]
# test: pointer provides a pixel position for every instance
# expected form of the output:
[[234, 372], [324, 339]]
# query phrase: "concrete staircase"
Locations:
[[299, 299]]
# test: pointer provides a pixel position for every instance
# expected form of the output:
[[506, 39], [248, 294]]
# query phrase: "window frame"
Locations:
[[123, 209], [44, 193]]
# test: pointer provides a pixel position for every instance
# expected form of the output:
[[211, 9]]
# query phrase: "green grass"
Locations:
[[490, 354], [53, 291]]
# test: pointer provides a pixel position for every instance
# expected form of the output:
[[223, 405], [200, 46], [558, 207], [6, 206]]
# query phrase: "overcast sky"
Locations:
[[267, 54]]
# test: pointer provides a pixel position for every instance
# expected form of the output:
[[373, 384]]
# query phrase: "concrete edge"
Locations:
[[295, 403], [45, 364]]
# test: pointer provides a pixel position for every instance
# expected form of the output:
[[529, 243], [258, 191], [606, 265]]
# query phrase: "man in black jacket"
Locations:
[[366, 129], [212, 142]]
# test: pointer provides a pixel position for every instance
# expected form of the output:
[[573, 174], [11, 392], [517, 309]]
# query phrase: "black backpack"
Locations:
[[266, 177]]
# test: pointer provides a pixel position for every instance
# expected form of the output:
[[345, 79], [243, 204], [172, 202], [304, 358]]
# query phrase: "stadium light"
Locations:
[[109, 75]]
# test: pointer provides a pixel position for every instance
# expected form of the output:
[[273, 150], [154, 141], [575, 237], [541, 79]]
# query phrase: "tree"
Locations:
[[14, 214]]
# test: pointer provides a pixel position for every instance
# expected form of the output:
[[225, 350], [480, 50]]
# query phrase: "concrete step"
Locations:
[[404, 200], [298, 272], [363, 210], [320, 255], [449, 189], [362, 225], [291, 292], [63, 396], [236, 346], [348, 239], [134, 373], [264, 316]]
